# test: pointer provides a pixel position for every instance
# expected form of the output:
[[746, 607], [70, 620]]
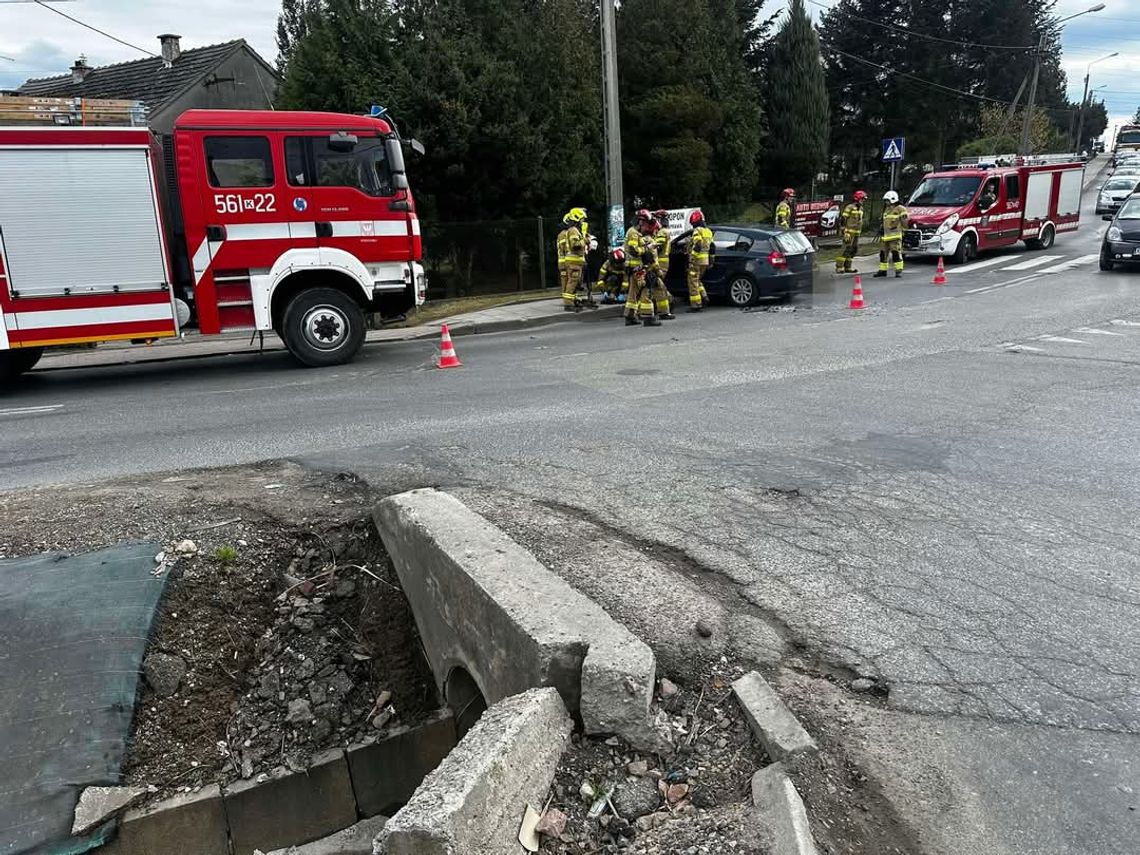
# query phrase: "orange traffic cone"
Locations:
[[857, 294], [940, 274], [447, 357]]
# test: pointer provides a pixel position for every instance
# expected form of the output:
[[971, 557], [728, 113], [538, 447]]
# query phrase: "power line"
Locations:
[[93, 29], [910, 32]]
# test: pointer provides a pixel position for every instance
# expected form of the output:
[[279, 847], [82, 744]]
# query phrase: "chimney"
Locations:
[[171, 49], [80, 70]]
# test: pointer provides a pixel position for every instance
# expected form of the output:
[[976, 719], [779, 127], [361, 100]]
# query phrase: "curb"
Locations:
[[778, 730], [779, 803]]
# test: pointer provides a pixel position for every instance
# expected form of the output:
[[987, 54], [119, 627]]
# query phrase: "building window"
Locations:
[[239, 162]]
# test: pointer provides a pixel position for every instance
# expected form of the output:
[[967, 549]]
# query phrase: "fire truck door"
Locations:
[[991, 209]]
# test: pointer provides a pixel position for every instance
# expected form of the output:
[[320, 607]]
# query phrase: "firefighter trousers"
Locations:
[[843, 261], [698, 296], [890, 249], [647, 295], [570, 275]]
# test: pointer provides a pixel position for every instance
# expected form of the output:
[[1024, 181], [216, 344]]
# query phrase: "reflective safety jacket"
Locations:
[[852, 218], [636, 246], [700, 245], [895, 219], [664, 246], [610, 276], [784, 215], [571, 246]]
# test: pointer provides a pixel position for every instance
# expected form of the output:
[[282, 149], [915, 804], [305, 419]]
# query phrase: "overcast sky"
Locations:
[[43, 43]]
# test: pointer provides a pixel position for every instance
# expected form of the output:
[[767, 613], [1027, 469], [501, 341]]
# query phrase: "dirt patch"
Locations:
[[694, 798], [282, 623]]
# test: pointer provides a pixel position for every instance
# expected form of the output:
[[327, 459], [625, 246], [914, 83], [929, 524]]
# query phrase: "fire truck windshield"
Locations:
[[947, 192]]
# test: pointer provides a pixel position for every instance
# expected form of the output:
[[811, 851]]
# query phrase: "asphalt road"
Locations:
[[939, 491]]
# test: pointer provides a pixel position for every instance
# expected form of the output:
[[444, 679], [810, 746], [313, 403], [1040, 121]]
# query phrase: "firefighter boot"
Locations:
[[880, 274], [651, 321], [631, 321]]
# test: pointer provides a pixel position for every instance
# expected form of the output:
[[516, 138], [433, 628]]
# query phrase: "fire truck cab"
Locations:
[[297, 223], [962, 210]]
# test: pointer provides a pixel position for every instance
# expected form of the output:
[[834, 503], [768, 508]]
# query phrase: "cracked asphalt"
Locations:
[[939, 492]]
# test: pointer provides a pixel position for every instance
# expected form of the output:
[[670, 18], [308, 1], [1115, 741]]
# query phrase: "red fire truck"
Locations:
[[962, 210], [299, 223]]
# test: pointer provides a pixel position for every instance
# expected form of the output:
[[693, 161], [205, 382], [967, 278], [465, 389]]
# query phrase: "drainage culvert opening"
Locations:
[[466, 701]]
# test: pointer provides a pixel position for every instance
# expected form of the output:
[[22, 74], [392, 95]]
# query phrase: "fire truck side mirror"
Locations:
[[341, 141], [395, 156], [399, 181], [417, 147]]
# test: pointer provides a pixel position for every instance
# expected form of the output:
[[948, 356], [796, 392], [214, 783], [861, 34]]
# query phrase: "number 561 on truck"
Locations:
[[295, 222]]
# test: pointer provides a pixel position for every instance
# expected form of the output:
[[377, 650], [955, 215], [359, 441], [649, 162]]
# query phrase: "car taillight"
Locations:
[[778, 260]]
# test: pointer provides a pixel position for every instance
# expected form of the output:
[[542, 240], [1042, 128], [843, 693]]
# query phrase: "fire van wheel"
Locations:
[[323, 326], [1048, 235], [13, 363], [967, 249]]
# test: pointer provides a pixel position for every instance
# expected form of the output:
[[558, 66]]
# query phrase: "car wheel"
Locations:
[[967, 249], [323, 326], [1105, 262], [741, 292], [15, 362]]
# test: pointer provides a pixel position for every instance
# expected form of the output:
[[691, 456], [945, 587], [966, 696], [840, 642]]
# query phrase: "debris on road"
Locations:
[[98, 804], [164, 673]]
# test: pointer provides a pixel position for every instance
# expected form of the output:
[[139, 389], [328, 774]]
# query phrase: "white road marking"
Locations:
[[978, 265], [1122, 323], [30, 411], [1070, 264], [1091, 331], [1018, 348], [1061, 339], [1033, 262]]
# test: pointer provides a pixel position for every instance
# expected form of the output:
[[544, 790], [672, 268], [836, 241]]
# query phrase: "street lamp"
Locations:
[[615, 210], [1085, 97], [1025, 125]]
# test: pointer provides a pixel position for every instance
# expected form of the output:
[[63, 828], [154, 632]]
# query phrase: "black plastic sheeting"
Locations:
[[73, 630]]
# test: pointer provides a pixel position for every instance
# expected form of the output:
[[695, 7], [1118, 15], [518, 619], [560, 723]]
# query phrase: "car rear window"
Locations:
[[792, 243]]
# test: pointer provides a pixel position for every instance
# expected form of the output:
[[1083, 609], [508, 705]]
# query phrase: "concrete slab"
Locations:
[[783, 811], [386, 773], [778, 730], [484, 605], [291, 808], [354, 840], [196, 820], [474, 801], [98, 804]]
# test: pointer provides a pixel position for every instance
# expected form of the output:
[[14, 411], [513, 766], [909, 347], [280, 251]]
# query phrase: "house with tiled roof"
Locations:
[[228, 76]]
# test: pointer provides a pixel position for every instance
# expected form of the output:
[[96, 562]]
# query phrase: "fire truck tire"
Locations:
[[323, 326], [1048, 235], [13, 363], [967, 249]]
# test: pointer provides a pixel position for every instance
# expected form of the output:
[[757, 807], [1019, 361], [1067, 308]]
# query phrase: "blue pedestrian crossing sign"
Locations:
[[894, 149]]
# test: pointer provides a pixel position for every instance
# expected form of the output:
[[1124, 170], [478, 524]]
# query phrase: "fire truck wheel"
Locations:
[[1045, 241], [323, 326], [967, 249], [13, 363]]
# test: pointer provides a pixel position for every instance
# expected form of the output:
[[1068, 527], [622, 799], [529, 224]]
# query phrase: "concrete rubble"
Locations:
[[773, 723], [98, 804], [485, 604], [475, 799], [782, 809]]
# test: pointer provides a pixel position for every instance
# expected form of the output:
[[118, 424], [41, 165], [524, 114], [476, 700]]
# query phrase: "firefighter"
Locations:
[[663, 245], [572, 243], [640, 259], [785, 211], [895, 219], [700, 245], [611, 278], [851, 225]]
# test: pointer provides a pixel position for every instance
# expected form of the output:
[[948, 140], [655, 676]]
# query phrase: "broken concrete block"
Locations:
[[197, 821], [474, 801], [782, 810], [354, 840], [486, 606], [778, 730], [98, 804], [291, 808]]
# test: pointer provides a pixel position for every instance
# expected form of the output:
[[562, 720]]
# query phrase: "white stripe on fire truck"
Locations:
[[82, 317], [415, 225]]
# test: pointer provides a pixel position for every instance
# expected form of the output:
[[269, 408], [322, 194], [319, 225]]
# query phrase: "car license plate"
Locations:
[[1136, 251]]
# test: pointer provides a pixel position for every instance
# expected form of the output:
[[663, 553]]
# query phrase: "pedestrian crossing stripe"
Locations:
[[892, 152]]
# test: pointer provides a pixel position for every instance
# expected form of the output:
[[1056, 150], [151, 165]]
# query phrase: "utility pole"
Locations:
[[1085, 98], [615, 213]]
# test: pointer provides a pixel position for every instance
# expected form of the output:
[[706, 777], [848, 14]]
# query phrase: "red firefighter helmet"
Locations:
[[696, 218], [859, 196], [643, 214], [661, 215], [789, 192], [618, 255]]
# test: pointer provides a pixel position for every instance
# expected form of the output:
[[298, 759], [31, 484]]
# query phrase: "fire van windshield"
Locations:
[[948, 192]]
